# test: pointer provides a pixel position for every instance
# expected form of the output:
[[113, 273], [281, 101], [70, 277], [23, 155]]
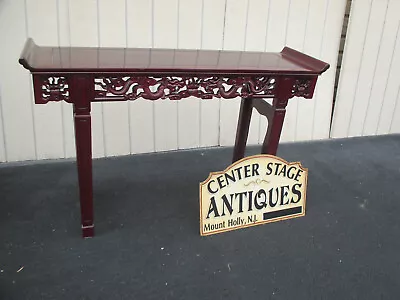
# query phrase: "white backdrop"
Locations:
[[368, 91], [29, 131]]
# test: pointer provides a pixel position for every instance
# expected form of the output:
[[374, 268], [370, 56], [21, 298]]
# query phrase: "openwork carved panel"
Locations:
[[303, 88], [51, 88], [176, 88]]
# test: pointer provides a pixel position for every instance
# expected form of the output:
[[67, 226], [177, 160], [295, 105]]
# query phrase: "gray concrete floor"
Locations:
[[147, 244]]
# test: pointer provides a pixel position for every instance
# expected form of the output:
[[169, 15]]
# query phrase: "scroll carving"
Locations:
[[176, 88], [303, 88], [53, 88], [56, 88]]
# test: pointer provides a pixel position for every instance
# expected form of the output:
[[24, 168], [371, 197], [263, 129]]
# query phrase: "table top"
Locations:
[[40, 59]]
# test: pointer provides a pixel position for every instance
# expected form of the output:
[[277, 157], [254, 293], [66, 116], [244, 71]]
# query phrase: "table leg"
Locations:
[[80, 93], [242, 132], [275, 124]]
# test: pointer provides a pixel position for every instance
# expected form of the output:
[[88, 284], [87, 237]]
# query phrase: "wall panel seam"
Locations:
[[64, 146], [2, 126], [219, 101], [30, 87], [129, 102], [153, 103], [201, 47], [389, 73], [316, 93], [101, 103], [265, 49], [304, 42], [359, 69], [177, 46], [394, 109], [376, 64]]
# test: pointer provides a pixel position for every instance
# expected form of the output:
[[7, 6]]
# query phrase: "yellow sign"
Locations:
[[252, 191]]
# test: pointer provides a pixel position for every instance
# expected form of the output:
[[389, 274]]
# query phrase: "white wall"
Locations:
[[368, 91], [29, 131]]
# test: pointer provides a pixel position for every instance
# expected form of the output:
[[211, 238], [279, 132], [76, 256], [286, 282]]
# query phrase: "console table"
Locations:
[[81, 76]]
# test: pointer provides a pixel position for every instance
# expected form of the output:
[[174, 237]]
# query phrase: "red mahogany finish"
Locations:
[[81, 75]]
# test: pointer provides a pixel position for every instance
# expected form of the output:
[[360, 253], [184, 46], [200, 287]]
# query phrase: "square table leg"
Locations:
[[277, 117], [81, 95]]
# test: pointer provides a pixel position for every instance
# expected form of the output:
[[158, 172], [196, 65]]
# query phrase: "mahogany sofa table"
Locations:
[[81, 76]]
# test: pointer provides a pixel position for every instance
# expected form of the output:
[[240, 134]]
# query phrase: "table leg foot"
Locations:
[[82, 92], [88, 231]]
